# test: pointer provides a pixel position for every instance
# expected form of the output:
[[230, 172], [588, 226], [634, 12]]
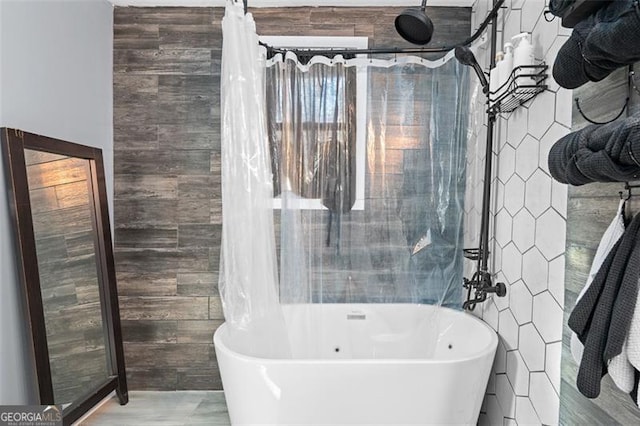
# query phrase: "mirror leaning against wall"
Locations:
[[58, 202]]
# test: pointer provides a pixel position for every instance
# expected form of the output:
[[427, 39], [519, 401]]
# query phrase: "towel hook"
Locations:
[[627, 188]]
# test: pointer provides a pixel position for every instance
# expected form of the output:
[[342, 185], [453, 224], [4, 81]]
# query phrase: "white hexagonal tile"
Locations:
[[502, 303], [502, 225], [518, 373], [481, 144], [551, 230], [514, 194], [511, 263], [535, 271], [544, 398], [541, 114], [517, 127], [480, 9], [506, 396], [532, 347], [556, 279], [501, 128], [559, 197], [527, 157], [517, 4], [477, 201], [564, 99], [544, 34], [524, 227], [538, 193], [525, 413], [506, 163], [512, 24], [468, 198], [496, 260], [547, 317], [490, 314], [555, 132], [508, 329], [498, 195], [500, 360], [552, 364], [531, 13], [521, 302]]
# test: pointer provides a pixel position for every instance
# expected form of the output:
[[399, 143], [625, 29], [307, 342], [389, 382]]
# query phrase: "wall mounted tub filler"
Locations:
[[481, 282]]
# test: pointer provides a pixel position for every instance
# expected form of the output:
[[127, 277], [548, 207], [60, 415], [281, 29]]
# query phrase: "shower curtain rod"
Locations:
[[271, 51]]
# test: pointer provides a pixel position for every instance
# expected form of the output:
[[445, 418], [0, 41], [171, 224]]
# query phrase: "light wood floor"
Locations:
[[147, 408]]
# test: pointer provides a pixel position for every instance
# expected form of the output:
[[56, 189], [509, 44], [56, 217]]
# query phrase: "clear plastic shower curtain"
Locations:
[[383, 222], [248, 280], [367, 158]]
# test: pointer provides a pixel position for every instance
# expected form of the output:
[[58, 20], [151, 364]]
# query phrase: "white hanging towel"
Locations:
[[621, 370], [609, 238]]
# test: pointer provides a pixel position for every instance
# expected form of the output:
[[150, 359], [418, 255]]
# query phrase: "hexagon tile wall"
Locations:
[[529, 213]]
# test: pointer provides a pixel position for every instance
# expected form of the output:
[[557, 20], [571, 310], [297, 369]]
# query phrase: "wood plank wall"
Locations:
[[590, 209], [64, 234], [167, 172]]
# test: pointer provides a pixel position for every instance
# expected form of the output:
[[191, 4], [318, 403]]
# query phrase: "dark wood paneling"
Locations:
[[202, 187], [146, 212], [169, 355], [139, 187], [155, 260], [139, 283], [181, 136], [163, 61], [164, 308], [197, 331], [150, 331], [199, 235], [158, 379], [161, 162], [198, 284], [135, 137], [200, 36], [201, 379], [166, 15], [136, 36], [143, 237]]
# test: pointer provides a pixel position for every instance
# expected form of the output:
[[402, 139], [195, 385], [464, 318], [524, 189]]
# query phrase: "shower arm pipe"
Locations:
[[483, 260], [393, 50], [481, 280]]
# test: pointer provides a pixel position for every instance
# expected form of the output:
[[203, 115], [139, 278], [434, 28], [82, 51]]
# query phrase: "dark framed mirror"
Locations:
[[58, 201]]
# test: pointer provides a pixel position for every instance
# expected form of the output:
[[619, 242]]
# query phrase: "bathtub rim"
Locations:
[[491, 347]]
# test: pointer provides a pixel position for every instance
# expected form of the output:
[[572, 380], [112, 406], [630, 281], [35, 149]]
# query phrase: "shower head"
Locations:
[[466, 57], [414, 25]]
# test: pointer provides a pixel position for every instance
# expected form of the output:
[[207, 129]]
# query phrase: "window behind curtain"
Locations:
[[312, 131]]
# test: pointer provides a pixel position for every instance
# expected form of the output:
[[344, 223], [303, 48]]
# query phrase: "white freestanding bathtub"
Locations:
[[364, 364]]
